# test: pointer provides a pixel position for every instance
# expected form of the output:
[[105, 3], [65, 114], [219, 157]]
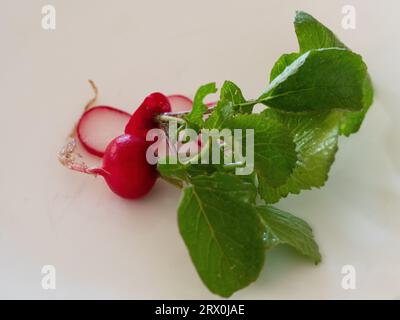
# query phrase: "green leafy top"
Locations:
[[226, 220]]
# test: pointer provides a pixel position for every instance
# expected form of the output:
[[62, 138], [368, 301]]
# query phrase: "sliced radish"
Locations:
[[180, 103], [98, 126]]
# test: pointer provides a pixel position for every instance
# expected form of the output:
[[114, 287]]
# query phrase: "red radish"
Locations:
[[180, 103], [125, 168], [143, 119], [98, 126]]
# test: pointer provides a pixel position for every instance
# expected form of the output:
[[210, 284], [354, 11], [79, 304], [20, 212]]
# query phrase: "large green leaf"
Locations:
[[222, 232], [319, 80], [316, 138], [312, 34], [274, 150], [284, 228], [350, 121]]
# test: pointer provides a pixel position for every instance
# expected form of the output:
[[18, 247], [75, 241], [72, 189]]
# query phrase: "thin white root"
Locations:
[[68, 158]]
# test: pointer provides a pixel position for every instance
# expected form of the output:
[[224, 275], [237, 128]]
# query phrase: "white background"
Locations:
[[106, 247]]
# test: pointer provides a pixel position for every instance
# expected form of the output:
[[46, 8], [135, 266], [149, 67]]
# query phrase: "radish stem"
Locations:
[[183, 113]]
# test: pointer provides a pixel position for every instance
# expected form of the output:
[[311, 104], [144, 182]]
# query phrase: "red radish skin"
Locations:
[[143, 119], [180, 103], [125, 168], [98, 126]]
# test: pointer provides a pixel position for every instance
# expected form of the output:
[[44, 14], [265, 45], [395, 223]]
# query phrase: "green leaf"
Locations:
[[280, 65], [316, 137], [222, 112], [173, 173], [195, 117], [178, 173], [231, 102], [231, 92], [352, 121], [283, 228], [319, 80], [311, 34], [222, 232], [274, 149]]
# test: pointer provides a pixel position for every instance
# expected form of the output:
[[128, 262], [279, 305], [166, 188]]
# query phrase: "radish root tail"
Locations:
[[94, 99], [68, 158]]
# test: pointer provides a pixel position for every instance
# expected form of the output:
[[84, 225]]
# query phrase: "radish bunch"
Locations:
[[225, 215], [120, 140]]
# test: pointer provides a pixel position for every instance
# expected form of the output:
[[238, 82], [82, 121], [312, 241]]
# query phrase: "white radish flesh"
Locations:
[[100, 125], [180, 103]]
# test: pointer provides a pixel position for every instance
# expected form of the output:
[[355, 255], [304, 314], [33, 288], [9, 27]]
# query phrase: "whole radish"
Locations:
[[125, 168]]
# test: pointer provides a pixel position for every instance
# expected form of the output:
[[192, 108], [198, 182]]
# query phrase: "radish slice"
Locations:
[[211, 104], [180, 103], [98, 126]]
